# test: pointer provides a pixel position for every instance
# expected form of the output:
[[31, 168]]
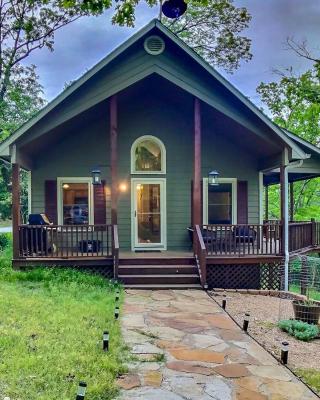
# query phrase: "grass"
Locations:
[[313, 294], [51, 325], [311, 377]]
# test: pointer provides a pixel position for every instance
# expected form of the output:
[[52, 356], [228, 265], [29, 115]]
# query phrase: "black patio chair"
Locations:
[[244, 234]]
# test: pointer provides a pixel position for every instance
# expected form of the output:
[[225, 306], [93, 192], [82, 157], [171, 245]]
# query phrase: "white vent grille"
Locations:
[[154, 45]]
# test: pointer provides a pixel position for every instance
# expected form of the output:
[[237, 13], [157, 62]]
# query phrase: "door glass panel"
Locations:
[[148, 213], [220, 204]]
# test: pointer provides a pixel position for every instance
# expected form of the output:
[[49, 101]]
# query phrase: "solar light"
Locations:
[[213, 178], [96, 176], [117, 296], [246, 322], [205, 286], [105, 341], [284, 352], [224, 303], [81, 391], [116, 313]]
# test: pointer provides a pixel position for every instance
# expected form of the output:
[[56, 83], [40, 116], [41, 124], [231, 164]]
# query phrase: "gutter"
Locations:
[[295, 164]]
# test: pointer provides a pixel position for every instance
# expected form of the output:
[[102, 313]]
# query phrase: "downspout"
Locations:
[[295, 164]]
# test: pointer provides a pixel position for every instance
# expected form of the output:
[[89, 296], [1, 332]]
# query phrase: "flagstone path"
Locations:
[[185, 347]]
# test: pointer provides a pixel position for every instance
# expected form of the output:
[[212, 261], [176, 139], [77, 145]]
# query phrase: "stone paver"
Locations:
[[185, 347]]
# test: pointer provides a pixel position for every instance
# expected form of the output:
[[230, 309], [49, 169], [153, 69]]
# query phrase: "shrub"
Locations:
[[5, 240], [300, 330]]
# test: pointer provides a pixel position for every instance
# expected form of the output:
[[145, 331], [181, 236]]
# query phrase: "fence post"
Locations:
[[313, 232], [304, 276]]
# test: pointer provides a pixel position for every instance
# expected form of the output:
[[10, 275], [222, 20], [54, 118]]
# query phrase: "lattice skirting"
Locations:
[[268, 276], [105, 270]]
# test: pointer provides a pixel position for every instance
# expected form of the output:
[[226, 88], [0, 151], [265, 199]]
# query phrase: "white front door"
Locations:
[[148, 209]]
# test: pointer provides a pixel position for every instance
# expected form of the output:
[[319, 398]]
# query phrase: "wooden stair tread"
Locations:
[[181, 286], [160, 276]]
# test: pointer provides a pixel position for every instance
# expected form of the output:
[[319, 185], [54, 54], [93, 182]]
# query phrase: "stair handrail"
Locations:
[[200, 253], [115, 251]]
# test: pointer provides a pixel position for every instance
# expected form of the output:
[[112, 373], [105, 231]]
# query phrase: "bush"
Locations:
[[5, 240], [300, 330]]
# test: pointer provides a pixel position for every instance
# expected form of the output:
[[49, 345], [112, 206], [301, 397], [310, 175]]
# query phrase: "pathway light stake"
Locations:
[[224, 303], [116, 313], [105, 341], [81, 390], [284, 352], [117, 296], [246, 321]]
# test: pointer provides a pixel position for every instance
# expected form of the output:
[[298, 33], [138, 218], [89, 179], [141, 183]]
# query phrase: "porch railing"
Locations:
[[200, 253], [65, 241], [303, 235], [242, 239]]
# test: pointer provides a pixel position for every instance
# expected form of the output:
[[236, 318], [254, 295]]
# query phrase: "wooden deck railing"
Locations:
[[65, 241], [303, 235], [200, 253], [242, 239]]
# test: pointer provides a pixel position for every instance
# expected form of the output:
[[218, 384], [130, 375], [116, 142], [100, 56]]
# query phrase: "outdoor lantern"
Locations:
[[116, 313], [213, 178], [284, 352], [105, 341], [246, 321], [81, 391], [96, 176], [174, 8]]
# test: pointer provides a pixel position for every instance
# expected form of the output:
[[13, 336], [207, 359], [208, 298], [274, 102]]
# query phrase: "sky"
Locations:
[[82, 44]]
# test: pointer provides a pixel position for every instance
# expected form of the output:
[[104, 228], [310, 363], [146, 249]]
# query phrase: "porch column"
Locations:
[[291, 201], [266, 202], [114, 158], [283, 199], [15, 208], [196, 195], [285, 215]]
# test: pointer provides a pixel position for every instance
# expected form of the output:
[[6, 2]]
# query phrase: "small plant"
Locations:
[[300, 330], [5, 240]]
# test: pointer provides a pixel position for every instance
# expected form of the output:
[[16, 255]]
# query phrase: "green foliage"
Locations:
[[214, 30], [52, 340], [5, 240], [300, 330]]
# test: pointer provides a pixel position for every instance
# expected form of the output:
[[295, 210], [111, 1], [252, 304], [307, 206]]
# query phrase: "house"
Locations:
[[123, 162]]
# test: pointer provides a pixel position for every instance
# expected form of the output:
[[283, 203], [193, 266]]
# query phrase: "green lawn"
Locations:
[[51, 325], [313, 294], [311, 377]]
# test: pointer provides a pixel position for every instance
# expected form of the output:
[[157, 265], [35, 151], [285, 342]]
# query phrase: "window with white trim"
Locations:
[[220, 202], [148, 156], [75, 201]]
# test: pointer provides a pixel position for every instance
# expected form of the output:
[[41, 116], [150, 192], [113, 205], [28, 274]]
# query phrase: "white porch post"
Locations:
[[285, 215]]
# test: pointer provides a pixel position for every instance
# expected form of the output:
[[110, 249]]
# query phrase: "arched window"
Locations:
[[148, 156]]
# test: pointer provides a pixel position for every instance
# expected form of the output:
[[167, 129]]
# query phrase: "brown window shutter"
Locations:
[[99, 199], [51, 201], [242, 202]]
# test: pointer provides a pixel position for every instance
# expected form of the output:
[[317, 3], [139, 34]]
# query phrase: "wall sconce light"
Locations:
[[81, 391], [123, 187], [105, 341], [96, 176], [213, 178]]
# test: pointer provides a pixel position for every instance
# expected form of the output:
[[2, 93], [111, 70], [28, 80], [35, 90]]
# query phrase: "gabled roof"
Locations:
[[297, 150], [307, 146]]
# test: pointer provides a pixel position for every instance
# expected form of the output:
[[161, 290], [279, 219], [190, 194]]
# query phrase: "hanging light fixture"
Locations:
[[213, 178], [96, 176], [174, 8]]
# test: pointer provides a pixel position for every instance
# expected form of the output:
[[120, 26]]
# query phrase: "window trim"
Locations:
[[163, 156], [233, 182], [60, 182]]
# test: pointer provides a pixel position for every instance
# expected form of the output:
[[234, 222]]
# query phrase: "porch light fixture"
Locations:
[[284, 352], [246, 322], [96, 176], [123, 187], [174, 8], [213, 178], [81, 391], [105, 341]]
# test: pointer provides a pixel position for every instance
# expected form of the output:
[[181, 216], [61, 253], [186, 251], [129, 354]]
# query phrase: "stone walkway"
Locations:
[[185, 347]]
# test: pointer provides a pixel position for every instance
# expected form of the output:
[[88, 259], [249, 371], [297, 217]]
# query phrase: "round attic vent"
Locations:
[[154, 45]]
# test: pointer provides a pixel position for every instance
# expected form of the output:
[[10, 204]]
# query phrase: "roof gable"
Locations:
[[154, 68]]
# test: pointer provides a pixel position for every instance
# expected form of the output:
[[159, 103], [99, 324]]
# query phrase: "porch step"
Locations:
[[157, 269], [162, 279], [160, 260], [163, 286]]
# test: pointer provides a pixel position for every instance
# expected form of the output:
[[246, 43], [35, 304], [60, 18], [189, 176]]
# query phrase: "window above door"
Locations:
[[220, 202], [148, 156]]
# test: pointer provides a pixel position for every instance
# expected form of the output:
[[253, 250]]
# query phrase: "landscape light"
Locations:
[[224, 303], [284, 352], [81, 390], [116, 313], [105, 341], [246, 321]]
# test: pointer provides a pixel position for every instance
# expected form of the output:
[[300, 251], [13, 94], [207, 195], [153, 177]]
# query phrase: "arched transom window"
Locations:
[[148, 156]]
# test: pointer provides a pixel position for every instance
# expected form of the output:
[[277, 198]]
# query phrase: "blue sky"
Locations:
[[82, 44]]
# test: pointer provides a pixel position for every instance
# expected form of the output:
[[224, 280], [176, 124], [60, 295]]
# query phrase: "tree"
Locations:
[[214, 31], [294, 103]]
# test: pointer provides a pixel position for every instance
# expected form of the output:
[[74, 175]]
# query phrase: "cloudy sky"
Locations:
[[82, 44]]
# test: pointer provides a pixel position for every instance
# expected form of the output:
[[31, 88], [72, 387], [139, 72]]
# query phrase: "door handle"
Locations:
[[135, 213]]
